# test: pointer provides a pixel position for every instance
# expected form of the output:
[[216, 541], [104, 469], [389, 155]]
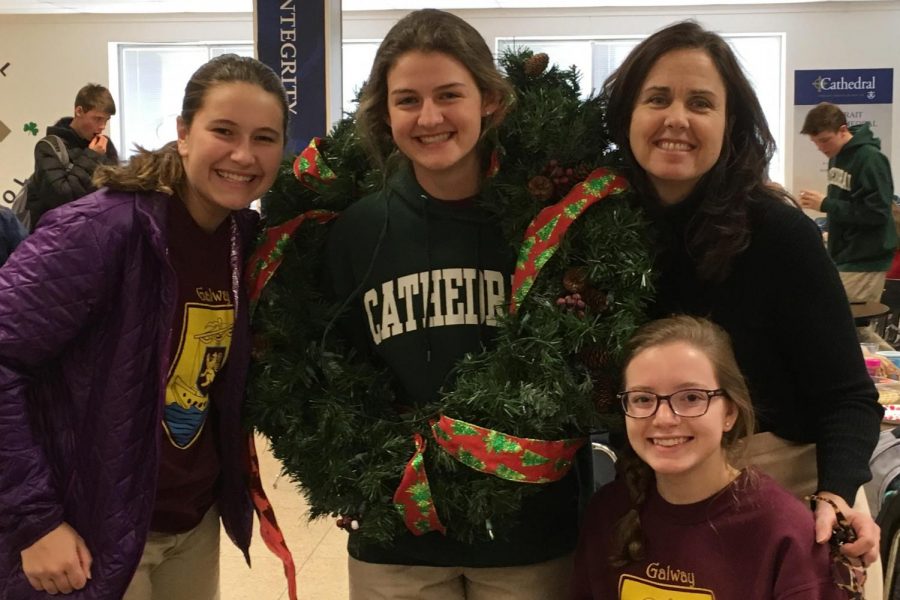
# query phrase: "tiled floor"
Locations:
[[319, 549]]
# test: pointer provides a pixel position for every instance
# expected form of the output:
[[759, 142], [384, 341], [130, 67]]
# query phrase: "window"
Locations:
[[358, 56], [607, 55], [151, 80]]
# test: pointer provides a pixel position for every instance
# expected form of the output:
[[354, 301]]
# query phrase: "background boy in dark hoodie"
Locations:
[[861, 234], [55, 183]]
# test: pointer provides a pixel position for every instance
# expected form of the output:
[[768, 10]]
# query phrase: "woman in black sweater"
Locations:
[[733, 249]]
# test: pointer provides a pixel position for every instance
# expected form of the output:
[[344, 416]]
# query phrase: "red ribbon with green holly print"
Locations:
[[311, 169], [268, 524], [543, 235], [413, 495], [270, 252], [523, 460]]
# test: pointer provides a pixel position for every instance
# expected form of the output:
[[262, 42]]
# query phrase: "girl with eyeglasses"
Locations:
[[680, 518]]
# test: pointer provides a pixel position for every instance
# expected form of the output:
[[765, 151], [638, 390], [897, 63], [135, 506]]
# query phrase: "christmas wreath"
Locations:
[[518, 410]]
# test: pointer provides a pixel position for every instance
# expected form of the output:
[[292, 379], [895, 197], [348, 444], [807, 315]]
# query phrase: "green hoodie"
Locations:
[[390, 249], [861, 234]]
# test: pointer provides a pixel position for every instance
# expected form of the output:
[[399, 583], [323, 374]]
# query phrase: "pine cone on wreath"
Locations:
[[594, 358], [604, 393], [596, 300], [537, 64], [599, 363], [541, 188], [575, 280]]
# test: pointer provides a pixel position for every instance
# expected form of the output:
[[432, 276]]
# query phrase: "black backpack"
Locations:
[[20, 201]]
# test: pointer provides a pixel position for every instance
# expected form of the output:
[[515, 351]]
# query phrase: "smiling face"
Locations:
[[678, 123], [686, 453], [231, 151], [435, 111]]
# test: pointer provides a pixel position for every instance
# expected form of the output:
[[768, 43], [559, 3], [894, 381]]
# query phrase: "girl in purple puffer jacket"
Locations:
[[124, 346]]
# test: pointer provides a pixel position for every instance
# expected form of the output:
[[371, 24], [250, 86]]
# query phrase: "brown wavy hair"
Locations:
[[94, 96], [721, 226], [714, 343], [427, 30], [162, 170], [824, 116]]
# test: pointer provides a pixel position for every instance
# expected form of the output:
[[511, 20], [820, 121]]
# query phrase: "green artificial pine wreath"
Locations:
[[331, 417]]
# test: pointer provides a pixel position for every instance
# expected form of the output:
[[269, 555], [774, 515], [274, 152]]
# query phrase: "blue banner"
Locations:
[[290, 38], [844, 86]]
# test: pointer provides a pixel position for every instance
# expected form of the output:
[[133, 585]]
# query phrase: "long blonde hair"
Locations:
[[162, 170], [714, 343]]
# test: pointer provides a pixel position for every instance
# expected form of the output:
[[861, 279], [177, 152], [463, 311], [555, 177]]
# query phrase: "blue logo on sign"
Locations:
[[844, 86]]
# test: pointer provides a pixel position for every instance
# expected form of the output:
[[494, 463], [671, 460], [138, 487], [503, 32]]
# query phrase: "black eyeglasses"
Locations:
[[684, 403]]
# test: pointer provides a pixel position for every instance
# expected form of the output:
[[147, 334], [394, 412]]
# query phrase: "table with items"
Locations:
[[884, 366]]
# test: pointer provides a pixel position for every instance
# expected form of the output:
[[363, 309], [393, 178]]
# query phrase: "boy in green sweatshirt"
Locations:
[[861, 233]]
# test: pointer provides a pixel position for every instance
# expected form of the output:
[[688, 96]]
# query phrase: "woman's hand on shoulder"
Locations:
[[868, 535]]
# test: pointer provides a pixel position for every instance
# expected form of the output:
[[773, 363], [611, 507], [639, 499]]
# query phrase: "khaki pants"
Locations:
[[542, 581], [182, 566], [794, 467], [866, 287]]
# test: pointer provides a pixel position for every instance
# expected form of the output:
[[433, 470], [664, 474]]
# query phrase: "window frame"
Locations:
[[117, 50]]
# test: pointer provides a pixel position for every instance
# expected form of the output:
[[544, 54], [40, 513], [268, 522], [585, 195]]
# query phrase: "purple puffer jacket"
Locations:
[[86, 306]]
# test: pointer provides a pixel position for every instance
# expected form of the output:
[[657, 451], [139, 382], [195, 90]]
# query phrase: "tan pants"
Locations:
[[183, 566], [866, 287], [541, 581], [794, 467]]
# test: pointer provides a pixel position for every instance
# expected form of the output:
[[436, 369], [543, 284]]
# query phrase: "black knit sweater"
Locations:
[[788, 316]]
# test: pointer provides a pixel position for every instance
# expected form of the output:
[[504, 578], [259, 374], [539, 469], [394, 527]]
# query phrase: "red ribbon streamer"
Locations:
[[413, 495], [543, 235], [268, 525], [523, 460], [311, 169], [270, 252]]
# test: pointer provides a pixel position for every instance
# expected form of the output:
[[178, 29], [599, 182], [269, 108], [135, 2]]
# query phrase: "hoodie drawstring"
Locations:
[[428, 264]]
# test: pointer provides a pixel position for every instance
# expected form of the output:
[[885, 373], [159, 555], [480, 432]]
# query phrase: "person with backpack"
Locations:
[[56, 180], [21, 200]]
